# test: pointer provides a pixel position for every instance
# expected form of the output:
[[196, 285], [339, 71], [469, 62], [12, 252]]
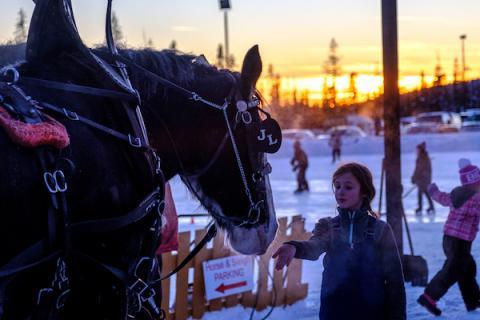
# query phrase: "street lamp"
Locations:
[[225, 6], [463, 37]]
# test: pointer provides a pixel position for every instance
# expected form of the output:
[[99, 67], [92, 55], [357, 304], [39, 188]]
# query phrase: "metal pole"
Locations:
[[463, 37], [227, 51], [391, 116]]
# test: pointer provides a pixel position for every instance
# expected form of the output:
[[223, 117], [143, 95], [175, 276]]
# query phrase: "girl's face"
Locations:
[[347, 192]]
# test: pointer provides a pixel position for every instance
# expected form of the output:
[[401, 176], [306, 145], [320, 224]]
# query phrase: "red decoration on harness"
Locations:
[[51, 132], [169, 237]]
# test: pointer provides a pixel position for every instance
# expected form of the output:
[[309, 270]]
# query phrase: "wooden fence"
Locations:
[[190, 297]]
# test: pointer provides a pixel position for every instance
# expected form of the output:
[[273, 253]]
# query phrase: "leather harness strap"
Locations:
[[70, 87]]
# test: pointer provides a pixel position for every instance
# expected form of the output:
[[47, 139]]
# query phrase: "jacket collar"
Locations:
[[356, 214]]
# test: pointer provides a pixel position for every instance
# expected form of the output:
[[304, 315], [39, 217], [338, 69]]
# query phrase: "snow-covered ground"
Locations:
[[445, 150]]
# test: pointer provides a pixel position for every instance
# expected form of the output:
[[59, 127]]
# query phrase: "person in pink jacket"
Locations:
[[459, 232]]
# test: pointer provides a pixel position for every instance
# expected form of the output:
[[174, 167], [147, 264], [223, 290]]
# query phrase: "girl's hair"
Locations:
[[364, 177]]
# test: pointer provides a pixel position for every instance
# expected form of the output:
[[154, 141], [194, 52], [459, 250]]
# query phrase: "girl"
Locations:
[[362, 277], [459, 232]]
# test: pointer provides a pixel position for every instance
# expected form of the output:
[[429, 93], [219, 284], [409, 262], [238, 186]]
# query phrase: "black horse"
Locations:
[[107, 179]]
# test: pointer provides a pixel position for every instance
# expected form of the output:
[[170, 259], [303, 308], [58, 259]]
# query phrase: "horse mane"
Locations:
[[185, 70]]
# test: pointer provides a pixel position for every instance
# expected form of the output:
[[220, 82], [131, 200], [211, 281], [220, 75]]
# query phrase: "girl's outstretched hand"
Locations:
[[285, 255]]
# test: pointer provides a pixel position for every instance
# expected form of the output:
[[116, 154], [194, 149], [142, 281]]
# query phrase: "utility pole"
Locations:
[[391, 114], [463, 37], [225, 6]]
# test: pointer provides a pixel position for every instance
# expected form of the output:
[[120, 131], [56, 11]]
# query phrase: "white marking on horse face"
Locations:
[[246, 241], [256, 240]]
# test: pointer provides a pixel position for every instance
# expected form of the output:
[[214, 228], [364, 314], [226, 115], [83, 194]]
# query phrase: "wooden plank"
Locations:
[[181, 296], [264, 297], [169, 261], [247, 299], [278, 297], [294, 276], [232, 300], [198, 300], [219, 251]]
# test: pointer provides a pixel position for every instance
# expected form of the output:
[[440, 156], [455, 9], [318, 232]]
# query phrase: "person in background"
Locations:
[[377, 122], [459, 231], [335, 143], [422, 177], [300, 164], [362, 277]]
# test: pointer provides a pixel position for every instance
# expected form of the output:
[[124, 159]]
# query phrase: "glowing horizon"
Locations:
[[368, 86], [293, 35]]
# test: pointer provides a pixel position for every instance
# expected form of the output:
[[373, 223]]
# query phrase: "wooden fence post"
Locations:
[[198, 299], [278, 274], [181, 294], [169, 262], [295, 289]]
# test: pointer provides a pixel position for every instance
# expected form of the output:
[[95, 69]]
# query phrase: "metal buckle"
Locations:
[[195, 96], [70, 114], [134, 141], [142, 290]]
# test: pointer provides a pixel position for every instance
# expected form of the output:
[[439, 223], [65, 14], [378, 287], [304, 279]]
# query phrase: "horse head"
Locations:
[[210, 140]]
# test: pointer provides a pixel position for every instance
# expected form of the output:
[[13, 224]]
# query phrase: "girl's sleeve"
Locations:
[[312, 248], [393, 274], [442, 197]]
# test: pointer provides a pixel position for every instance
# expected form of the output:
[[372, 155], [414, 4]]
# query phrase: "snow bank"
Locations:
[[448, 142]]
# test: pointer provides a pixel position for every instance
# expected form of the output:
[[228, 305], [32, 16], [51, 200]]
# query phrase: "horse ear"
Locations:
[[251, 70], [52, 31]]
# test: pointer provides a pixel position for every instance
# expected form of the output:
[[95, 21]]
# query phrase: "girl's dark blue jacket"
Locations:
[[362, 277]]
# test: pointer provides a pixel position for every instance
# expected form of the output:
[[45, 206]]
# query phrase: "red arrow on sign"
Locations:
[[222, 288]]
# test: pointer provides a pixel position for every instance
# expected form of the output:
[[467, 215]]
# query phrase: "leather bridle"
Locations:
[[242, 115]]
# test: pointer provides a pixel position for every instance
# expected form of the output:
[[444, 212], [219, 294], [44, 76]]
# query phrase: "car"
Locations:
[[471, 119], [435, 122], [297, 134], [348, 133], [404, 121]]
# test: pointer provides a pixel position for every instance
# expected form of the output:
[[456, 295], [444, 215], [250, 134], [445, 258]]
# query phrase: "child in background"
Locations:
[[459, 232], [362, 277]]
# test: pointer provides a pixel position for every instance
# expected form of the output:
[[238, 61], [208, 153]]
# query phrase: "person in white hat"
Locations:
[[459, 231]]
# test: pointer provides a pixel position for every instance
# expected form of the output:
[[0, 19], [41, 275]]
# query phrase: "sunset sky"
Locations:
[[293, 35]]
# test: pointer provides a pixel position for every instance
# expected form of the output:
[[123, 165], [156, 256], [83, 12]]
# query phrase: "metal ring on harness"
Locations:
[[255, 208], [55, 181], [14, 74], [161, 207], [61, 299]]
